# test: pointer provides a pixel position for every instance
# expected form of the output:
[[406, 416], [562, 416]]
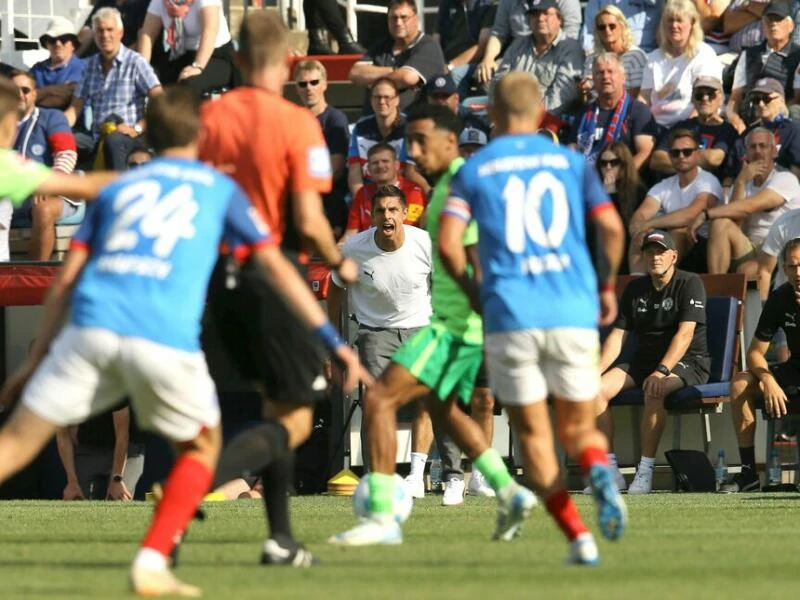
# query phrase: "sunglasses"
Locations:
[[761, 98], [701, 94], [61, 38], [685, 152], [310, 83], [25, 90], [383, 98], [137, 163], [612, 162], [607, 27]]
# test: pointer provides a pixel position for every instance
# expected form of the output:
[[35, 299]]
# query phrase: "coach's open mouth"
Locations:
[[388, 227]]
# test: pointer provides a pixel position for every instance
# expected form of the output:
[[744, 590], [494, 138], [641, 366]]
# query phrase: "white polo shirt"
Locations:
[[393, 288]]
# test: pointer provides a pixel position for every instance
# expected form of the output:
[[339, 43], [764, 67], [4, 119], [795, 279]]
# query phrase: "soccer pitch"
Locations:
[[677, 546]]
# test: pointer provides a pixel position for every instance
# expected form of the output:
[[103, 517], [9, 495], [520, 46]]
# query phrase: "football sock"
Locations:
[[748, 456], [277, 479], [418, 460], [494, 470], [251, 451], [186, 485], [565, 513], [591, 457], [381, 493], [646, 463]]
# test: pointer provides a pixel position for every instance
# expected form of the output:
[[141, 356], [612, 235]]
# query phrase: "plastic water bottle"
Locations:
[[774, 471], [721, 469], [436, 471]]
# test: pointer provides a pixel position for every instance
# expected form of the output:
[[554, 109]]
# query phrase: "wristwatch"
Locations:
[[117, 478], [138, 129], [663, 369]]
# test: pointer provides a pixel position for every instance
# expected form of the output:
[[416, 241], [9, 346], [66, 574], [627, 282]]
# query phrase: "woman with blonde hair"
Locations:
[[612, 33], [681, 57]]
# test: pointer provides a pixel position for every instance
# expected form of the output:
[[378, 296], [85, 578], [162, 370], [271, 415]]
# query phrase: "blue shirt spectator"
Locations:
[[57, 76]]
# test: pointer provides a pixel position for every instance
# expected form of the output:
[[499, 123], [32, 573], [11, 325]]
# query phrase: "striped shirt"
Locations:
[[121, 92]]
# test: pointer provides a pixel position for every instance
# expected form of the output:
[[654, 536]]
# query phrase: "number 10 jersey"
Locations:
[[531, 199]]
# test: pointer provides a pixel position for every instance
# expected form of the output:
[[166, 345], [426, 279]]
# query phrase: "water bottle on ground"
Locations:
[[721, 469], [774, 468], [436, 471]]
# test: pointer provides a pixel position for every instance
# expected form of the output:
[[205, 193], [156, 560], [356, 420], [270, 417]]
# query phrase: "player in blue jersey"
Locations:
[[135, 284], [539, 297]]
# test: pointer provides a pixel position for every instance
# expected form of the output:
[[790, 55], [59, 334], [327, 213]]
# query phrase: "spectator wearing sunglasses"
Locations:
[[613, 34], [614, 116], [716, 136], [311, 79], [57, 76], [776, 58], [770, 112], [761, 193], [642, 17], [674, 203], [44, 136]]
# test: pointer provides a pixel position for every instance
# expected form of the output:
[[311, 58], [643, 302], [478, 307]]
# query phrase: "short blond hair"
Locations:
[[263, 40], [308, 66], [518, 94]]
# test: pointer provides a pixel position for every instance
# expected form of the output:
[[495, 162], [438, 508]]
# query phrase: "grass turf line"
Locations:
[[677, 546]]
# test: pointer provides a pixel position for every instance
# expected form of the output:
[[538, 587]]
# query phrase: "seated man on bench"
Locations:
[[666, 309], [762, 381]]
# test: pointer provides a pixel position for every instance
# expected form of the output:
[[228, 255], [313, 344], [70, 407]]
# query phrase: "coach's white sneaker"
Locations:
[[583, 551], [370, 532], [453, 492], [160, 582], [478, 486], [416, 486], [642, 482]]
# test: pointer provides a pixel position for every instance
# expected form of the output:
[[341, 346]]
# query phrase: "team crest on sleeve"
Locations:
[[319, 161]]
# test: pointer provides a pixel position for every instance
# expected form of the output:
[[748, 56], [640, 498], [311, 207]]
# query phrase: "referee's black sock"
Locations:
[[277, 479], [250, 452]]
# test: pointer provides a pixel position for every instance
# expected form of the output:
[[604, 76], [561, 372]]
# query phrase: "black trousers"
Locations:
[[219, 72]]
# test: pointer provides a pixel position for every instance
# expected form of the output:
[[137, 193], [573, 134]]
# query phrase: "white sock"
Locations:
[[418, 460], [646, 464], [150, 560], [612, 460]]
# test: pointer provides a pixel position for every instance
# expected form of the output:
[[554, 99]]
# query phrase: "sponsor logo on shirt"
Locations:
[[696, 303], [319, 161], [789, 321]]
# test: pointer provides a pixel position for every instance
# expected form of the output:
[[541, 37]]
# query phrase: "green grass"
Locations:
[[677, 546]]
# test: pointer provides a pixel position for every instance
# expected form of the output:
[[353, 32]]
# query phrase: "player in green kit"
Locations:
[[20, 178], [440, 362]]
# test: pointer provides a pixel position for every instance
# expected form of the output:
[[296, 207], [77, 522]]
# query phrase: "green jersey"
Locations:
[[450, 305], [19, 178]]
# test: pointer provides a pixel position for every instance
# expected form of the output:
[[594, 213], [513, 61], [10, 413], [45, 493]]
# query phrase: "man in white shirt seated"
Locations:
[[760, 195], [675, 202]]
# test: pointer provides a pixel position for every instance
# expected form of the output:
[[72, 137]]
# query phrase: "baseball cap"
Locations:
[[779, 9], [537, 5], [660, 237], [472, 135], [767, 85], [706, 81], [441, 84]]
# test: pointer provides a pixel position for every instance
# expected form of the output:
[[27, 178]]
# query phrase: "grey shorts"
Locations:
[[376, 346]]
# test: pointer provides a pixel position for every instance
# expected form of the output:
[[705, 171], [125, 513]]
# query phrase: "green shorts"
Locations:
[[442, 361]]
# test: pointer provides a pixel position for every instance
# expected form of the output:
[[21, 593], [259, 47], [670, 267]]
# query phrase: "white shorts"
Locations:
[[524, 366], [88, 371]]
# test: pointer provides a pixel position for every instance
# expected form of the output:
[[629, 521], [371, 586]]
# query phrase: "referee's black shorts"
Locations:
[[262, 338]]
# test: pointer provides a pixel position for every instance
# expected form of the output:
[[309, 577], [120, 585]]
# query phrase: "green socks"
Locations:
[[381, 493], [492, 467]]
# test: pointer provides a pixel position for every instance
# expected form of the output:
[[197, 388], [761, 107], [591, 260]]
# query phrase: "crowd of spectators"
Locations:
[[688, 109]]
